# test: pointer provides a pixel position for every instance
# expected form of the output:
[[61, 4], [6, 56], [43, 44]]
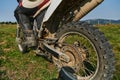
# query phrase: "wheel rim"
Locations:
[[88, 60]]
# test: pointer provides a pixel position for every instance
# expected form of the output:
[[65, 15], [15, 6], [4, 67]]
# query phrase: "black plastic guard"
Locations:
[[67, 73]]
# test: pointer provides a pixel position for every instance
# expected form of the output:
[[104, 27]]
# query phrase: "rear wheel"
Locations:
[[90, 54]]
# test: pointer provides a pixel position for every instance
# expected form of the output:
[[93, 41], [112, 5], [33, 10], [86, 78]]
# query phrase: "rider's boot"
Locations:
[[27, 28], [30, 38]]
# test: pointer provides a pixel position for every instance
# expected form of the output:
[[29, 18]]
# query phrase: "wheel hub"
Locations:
[[77, 56], [74, 54]]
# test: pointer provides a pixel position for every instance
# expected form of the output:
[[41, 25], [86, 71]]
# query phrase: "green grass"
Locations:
[[112, 33], [17, 66]]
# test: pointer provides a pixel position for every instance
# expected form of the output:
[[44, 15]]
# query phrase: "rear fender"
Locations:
[[54, 4]]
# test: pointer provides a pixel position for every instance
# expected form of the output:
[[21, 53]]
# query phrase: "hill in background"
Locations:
[[91, 21], [102, 21]]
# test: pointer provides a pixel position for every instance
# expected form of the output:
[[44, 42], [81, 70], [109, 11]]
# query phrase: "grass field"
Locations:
[[112, 32], [17, 66]]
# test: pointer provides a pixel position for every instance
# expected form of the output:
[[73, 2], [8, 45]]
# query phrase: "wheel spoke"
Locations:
[[84, 49]]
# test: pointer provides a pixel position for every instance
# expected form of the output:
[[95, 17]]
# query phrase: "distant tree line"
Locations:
[[102, 21], [8, 22]]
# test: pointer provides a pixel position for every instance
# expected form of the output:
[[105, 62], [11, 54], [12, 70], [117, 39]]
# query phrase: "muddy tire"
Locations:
[[93, 43]]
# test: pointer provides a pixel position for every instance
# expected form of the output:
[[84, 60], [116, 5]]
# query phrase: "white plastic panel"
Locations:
[[54, 4]]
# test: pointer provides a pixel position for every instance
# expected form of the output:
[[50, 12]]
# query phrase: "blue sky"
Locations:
[[109, 9]]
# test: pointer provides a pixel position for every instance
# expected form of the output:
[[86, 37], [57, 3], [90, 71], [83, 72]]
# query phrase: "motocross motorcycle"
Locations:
[[78, 50]]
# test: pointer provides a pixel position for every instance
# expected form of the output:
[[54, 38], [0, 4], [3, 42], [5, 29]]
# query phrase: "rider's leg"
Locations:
[[39, 18], [24, 22]]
